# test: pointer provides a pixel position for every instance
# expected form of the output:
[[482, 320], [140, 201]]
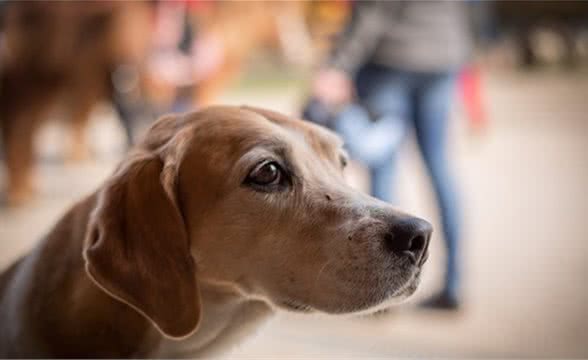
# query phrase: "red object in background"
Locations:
[[199, 5], [470, 84]]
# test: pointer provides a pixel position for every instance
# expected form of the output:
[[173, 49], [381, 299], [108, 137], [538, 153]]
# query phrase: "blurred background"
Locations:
[[502, 175]]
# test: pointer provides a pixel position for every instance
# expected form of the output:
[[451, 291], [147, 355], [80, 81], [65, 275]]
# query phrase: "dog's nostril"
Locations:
[[388, 241], [417, 244], [409, 237]]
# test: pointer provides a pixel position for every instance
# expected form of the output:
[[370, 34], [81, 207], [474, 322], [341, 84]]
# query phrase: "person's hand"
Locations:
[[332, 86]]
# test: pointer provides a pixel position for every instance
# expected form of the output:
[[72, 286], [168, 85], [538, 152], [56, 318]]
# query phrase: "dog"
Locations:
[[214, 221], [66, 54]]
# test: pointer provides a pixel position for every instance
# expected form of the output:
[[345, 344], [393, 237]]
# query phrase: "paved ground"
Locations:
[[525, 251]]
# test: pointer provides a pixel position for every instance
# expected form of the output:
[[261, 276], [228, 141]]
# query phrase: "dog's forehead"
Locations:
[[248, 126], [319, 138]]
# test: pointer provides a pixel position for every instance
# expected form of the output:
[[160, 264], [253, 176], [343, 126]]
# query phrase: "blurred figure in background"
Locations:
[[401, 58], [64, 54], [202, 47], [557, 24], [145, 58]]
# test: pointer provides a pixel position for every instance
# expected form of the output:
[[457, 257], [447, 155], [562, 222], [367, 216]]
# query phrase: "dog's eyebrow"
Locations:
[[272, 144], [264, 146]]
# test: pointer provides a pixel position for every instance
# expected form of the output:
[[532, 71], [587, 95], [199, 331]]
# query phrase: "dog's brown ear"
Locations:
[[138, 250]]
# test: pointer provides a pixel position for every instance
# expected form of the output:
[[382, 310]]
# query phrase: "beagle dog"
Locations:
[[214, 221]]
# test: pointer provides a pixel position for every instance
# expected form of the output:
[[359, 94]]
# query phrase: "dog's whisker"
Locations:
[[316, 280]]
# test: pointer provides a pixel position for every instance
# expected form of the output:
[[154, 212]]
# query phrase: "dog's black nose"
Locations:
[[410, 237]]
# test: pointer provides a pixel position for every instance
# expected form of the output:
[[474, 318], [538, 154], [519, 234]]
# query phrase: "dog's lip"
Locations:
[[408, 284], [424, 258], [417, 262], [411, 256], [295, 305]]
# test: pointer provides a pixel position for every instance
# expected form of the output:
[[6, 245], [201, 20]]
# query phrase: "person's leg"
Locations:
[[382, 179], [431, 116], [384, 94]]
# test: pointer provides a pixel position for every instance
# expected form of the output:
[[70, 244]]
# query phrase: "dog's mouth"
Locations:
[[410, 286], [387, 299], [399, 296], [295, 306]]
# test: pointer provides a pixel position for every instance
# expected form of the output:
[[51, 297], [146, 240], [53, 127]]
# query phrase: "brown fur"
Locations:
[[60, 52], [176, 255]]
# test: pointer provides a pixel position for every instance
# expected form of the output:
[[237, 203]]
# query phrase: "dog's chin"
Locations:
[[397, 298], [388, 299]]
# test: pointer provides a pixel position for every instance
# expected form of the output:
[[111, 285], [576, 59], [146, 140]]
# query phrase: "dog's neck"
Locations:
[[227, 318], [69, 316]]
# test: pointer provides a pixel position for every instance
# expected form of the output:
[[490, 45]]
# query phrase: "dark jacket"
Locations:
[[427, 36]]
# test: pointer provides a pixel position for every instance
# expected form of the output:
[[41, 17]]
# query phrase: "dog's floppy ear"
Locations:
[[137, 249]]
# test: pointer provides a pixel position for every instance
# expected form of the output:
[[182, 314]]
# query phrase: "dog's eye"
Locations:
[[268, 173]]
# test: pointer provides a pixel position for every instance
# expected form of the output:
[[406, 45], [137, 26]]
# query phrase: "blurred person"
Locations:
[[231, 32], [168, 64], [201, 47], [325, 19], [401, 59], [535, 24]]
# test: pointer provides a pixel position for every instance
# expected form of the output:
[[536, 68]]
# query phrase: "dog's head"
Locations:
[[251, 199]]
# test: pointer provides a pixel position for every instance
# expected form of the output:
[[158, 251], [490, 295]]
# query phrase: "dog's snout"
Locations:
[[410, 237]]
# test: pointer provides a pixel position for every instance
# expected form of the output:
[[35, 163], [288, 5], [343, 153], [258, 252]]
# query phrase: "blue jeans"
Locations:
[[399, 101]]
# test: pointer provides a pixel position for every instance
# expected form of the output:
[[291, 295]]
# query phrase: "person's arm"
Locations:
[[332, 84], [360, 38]]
